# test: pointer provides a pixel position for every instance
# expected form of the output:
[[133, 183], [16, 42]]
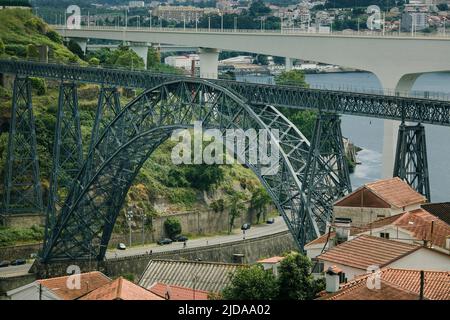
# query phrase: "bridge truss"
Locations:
[[87, 193]]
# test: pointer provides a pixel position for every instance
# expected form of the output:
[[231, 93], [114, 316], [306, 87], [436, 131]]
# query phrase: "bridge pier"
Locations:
[[411, 163], [288, 64], [401, 84], [141, 49], [82, 42], [209, 63]]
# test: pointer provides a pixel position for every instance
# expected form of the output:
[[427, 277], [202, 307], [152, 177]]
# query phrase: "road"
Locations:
[[254, 232]]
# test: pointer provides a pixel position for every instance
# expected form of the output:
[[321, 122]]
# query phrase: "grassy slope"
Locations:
[[20, 27], [151, 183]]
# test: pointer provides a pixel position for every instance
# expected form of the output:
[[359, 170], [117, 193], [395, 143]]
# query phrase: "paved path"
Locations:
[[254, 232]]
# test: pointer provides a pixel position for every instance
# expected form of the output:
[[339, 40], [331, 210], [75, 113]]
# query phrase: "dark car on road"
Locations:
[[245, 226], [180, 238], [164, 241], [4, 263], [18, 262]]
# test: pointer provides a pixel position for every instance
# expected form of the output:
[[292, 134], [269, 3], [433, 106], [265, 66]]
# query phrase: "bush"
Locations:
[[32, 52], [18, 50], [75, 48], [54, 36], [172, 227], [36, 24], [39, 85], [10, 236], [2, 47], [94, 61]]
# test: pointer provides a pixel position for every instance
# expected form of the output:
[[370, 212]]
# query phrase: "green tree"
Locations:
[[153, 58], [76, 49], [203, 177], [172, 227], [258, 8], [252, 283], [295, 280], [236, 206], [292, 77], [260, 200], [2, 47], [32, 52]]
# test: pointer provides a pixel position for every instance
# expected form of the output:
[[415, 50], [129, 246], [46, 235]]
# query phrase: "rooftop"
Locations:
[[440, 210], [364, 251], [171, 292], [275, 259], [89, 281], [394, 191], [207, 276], [121, 289], [396, 284], [417, 222]]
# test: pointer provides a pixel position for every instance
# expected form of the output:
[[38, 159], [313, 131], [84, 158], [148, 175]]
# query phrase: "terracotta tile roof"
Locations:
[[89, 281], [275, 259], [417, 222], [364, 251], [440, 210], [120, 289], [208, 276], [397, 284], [171, 292], [396, 192]]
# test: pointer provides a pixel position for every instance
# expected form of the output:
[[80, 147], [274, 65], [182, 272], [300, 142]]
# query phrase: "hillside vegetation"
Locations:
[[161, 187]]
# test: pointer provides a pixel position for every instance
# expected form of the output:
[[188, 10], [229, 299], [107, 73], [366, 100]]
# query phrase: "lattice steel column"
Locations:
[[67, 150], [411, 163], [326, 176], [22, 185]]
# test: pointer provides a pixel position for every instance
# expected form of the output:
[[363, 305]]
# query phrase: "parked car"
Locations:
[[18, 262], [4, 263], [164, 241], [245, 226], [270, 221], [121, 246], [180, 238]]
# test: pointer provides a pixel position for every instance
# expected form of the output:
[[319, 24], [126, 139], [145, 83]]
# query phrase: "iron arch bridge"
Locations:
[[302, 190]]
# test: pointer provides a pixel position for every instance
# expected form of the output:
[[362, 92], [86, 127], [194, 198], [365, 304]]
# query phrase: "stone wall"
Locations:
[[22, 220], [19, 252], [250, 251]]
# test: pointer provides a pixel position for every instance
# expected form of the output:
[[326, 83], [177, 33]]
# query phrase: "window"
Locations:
[[317, 266], [342, 278], [384, 235]]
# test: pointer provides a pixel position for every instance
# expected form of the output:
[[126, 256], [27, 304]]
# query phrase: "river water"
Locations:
[[367, 133]]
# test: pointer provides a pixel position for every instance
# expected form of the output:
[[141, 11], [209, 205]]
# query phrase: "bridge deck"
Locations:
[[383, 106]]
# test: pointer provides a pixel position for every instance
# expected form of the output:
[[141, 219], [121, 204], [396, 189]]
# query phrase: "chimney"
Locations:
[[342, 229], [332, 279], [422, 284]]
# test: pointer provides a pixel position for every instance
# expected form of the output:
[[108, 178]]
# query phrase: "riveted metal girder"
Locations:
[[67, 151], [22, 185], [326, 177], [399, 108], [85, 224], [411, 163]]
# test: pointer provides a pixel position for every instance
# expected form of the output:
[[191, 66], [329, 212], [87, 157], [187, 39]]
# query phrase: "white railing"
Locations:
[[284, 31]]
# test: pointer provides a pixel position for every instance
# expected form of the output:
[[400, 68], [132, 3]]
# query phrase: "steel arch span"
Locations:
[[85, 222]]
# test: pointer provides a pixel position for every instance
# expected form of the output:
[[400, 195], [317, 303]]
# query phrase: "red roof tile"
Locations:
[[394, 191], [397, 284], [364, 251], [275, 259], [121, 289], [88, 282], [171, 292]]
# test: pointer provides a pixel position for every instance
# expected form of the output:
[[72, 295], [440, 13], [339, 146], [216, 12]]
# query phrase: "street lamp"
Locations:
[[129, 217]]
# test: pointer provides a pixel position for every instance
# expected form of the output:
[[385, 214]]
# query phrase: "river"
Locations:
[[367, 133]]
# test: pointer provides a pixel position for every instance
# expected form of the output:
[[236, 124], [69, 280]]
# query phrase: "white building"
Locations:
[[271, 263], [183, 62], [136, 4], [364, 253]]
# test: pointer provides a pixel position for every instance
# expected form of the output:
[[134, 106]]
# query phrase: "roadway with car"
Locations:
[[255, 231]]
